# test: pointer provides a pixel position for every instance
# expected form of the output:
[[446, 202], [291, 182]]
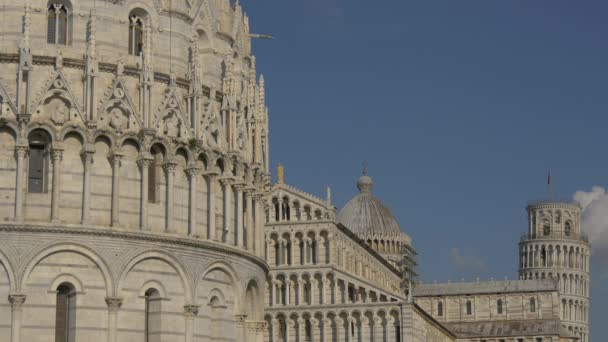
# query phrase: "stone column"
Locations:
[[306, 252], [320, 251], [258, 204], [20, 152], [315, 325], [114, 304], [352, 330], [365, 331], [193, 173], [291, 332], [274, 330], [290, 293], [327, 330], [212, 179], [144, 164], [239, 229], [56, 155], [87, 159], [378, 330], [169, 168], [227, 187], [314, 289], [17, 301], [249, 218], [326, 291], [116, 157], [340, 329], [301, 300], [273, 293], [190, 312], [301, 330], [332, 249]]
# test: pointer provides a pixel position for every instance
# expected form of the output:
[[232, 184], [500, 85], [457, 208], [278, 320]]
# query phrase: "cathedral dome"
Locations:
[[366, 216]]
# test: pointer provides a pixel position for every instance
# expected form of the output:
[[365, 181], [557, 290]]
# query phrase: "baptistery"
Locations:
[[133, 164]]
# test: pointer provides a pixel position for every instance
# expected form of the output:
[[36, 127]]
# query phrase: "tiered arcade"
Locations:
[[555, 248]]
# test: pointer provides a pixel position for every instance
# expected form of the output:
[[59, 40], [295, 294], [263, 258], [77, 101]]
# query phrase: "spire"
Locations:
[[262, 91], [365, 183], [280, 174], [92, 32], [27, 23], [329, 196]]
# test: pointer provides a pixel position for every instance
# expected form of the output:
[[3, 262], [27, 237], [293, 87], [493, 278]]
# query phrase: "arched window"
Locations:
[[152, 313], [499, 306], [568, 228], [440, 309], [308, 328], [39, 143], [59, 19], [282, 330], [469, 308], [532, 305], [65, 313], [136, 32], [546, 227]]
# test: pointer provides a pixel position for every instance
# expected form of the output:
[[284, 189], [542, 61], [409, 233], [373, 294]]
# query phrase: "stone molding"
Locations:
[[136, 235]]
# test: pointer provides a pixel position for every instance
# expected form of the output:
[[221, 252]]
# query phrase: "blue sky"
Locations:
[[460, 108]]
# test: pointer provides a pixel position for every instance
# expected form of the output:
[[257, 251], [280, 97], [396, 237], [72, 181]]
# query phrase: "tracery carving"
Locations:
[[118, 111]]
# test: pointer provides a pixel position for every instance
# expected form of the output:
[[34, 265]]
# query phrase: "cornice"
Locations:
[[51, 228]]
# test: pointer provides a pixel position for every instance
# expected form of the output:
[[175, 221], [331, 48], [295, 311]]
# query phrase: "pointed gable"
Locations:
[[57, 103], [117, 111], [170, 118]]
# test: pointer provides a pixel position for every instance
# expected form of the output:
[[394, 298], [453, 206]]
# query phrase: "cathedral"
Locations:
[[138, 205]]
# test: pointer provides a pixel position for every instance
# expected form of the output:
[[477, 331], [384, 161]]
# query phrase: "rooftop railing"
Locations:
[[556, 235], [552, 201]]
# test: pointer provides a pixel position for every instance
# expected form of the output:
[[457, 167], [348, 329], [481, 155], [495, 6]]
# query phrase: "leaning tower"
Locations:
[[555, 247]]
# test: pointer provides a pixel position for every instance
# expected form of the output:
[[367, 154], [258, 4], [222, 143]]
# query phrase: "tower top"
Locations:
[[280, 174]]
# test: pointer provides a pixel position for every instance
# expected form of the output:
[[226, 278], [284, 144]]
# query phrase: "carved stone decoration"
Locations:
[[171, 125], [57, 103], [118, 111], [242, 135], [114, 303], [170, 119], [191, 310], [7, 108], [211, 125]]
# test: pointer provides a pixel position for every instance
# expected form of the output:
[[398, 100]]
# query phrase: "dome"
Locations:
[[366, 216]]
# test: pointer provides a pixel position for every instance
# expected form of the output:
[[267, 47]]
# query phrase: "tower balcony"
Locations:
[[556, 235]]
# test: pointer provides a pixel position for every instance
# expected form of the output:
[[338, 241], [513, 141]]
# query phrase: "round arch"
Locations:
[[10, 272], [170, 259], [81, 249]]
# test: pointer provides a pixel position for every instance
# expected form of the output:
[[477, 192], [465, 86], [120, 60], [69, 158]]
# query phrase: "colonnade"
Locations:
[[574, 310], [554, 255], [285, 210], [364, 325], [246, 330], [246, 227], [319, 289], [309, 250]]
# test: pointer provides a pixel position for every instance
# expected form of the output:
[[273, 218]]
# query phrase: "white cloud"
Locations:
[[595, 223], [468, 262]]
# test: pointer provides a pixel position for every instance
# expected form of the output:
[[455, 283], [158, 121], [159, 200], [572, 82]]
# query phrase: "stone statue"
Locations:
[[58, 110], [117, 119], [172, 125]]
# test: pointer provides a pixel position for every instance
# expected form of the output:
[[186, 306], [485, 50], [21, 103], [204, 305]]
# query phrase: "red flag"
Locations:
[[549, 178]]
